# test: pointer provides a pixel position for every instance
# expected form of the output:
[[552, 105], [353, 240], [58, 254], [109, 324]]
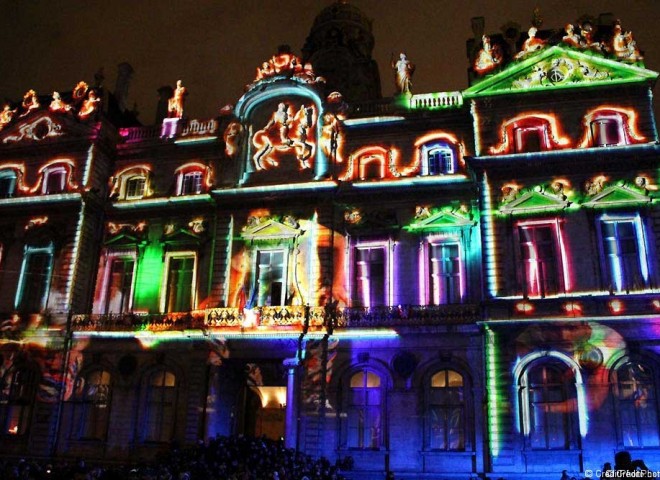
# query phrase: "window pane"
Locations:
[[7, 184], [540, 262], [271, 281], [55, 180], [120, 283], [179, 284], [36, 277], [135, 187], [370, 276], [622, 255], [191, 183]]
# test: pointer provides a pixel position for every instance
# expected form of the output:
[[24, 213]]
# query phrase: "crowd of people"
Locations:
[[222, 458]]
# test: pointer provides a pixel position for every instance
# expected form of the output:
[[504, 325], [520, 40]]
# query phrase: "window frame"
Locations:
[[8, 173], [165, 291], [257, 299], [198, 183], [21, 403], [618, 120], [614, 272], [127, 186], [463, 405], [85, 414], [388, 274], [559, 256], [105, 300], [28, 251], [430, 295], [363, 412], [428, 149], [47, 174], [159, 406]]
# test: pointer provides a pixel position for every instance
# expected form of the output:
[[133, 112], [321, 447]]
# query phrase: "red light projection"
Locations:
[[286, 133], [530, 132], [609, 125]]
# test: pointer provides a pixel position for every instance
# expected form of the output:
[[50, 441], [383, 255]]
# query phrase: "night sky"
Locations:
[[215, 46]]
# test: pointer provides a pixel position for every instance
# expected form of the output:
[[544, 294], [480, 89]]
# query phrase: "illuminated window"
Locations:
[[444, 273], [179, 282], [551, 404], [54, 180], [271, 273], [370, 276], [446, 411], [624, 253], [364, 422], [160, 406], [542, 261], [92, 407], [19, 387], [637, 408], [191, 183], [7, 183], [607, 130], [530, 139], [119, 285], [438, 159], [34, 282], [135, 187]]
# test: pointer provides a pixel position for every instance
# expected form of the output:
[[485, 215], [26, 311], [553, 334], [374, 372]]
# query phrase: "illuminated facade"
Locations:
[[441, 285]]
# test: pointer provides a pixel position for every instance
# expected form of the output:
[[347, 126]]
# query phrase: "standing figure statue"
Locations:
[[175, 104], [404, 71]]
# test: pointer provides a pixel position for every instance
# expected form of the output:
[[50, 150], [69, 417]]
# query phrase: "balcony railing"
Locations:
[[280, 318]]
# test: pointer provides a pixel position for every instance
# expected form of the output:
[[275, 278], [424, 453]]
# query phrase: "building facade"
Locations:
[[440, 285]]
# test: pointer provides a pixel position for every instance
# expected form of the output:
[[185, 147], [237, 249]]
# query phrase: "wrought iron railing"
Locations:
[[294, 318]]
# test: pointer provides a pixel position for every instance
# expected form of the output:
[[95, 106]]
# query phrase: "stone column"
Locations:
[[292, 411]]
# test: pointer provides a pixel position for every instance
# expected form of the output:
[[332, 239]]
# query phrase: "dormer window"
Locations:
[[131, 183], [530, 132], [135, 186], [371, 167], [607, 131], [191, 183], [531, 138], [54, 180], [438, 159], [7, 183]]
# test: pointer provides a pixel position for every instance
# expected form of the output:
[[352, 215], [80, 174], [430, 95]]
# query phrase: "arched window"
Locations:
[[446, 412], [7, 183], [364, 408], [160, 395], [607, 130], [549, 405], [637, 407], [19, 386], [135, 186], [92, 409]]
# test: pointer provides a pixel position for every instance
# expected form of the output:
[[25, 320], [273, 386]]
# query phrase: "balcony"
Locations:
[[280, 318]]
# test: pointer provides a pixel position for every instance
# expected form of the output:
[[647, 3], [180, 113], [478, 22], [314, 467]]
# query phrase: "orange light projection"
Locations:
[[530, 132], [610, 125]]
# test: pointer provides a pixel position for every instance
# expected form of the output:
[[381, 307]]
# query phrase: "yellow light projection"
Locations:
[[514, 131], [609, 125], [118, 180]]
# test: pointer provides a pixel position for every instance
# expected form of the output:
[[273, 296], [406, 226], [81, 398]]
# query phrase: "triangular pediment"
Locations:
[[270, 230], [617, 195], [534, 201], [440, 221], [559, 67], [40, 126]]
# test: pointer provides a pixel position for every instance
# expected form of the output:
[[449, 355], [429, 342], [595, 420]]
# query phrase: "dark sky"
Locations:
[[215, 46]]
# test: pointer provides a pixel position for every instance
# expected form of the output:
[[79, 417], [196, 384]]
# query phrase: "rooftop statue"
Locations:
[[488, 57], [89, 106], [30, 102], [571, 38], [403, 73], [623, 46], [6, 116], [175, 104], [531, 45], [58, 105]]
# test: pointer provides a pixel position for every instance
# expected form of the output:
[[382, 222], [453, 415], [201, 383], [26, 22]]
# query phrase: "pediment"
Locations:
[[440, 221], [270, 229], [40, 126], [559, 67], [124, 239], [617, 195], [534, 201]]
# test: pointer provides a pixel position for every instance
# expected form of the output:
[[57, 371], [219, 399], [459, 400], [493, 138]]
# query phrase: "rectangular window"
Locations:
[[180, 283], [606, 131], [440, 161], [34, 282], [444, 273], [55, 180], [624, 252], [529, 139], [542, 261], [191, 183], [119, 288], [7, 185], [160, 407], [271, 277], [370, 278]]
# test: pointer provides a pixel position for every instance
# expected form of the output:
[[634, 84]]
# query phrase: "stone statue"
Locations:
[[175, 104], [404, 71], [30, 102], [58, 105], [571, 38], [532, 44], [488, 57], [6, 116], [89, 106]]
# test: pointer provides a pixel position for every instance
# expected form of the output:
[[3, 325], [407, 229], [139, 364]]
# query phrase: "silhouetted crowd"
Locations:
[[223, 458]]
